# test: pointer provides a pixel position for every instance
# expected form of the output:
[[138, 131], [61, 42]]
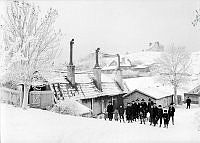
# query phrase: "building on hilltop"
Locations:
[[156, 47]]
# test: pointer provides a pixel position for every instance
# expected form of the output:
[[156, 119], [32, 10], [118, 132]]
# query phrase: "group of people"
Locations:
[[142, 112]]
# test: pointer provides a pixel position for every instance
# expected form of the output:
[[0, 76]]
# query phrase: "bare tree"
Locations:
[[32, 44], [197, 18], [173, 68]]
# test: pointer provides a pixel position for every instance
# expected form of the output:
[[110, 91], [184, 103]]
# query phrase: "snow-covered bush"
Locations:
[[71, 107]]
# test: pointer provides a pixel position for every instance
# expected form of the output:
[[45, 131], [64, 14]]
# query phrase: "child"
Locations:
[[116, 115], [148, 116], [165, 118], [105, 114]]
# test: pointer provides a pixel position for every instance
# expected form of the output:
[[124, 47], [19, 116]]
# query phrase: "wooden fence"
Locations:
[[10, 96]]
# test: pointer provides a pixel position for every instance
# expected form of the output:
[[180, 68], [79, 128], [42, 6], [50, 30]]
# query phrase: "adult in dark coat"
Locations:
[[160, 114], [153, 114], [110, 111], [188, 101], [128, 112], [142, 114], [171, 112], [134, 110], [144, 107], [121, 113], [149, 105], [137, 108]]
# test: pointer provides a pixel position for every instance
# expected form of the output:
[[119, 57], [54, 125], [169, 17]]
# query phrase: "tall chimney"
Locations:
[[118, 59], [97, 71], [71, 67], [71, 52], [118, 76]]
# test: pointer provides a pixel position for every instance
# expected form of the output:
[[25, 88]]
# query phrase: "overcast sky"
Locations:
[[124, 26]]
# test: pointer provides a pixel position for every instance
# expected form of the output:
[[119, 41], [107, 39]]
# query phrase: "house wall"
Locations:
[[98, 105], [194, 98], [134, 96], [165, 102], [87, 103]]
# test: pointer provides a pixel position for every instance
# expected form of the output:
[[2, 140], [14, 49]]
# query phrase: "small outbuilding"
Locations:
[[194, 95], [147, 88]]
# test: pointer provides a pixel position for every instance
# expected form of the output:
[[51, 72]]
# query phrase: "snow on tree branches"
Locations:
[[32, 44], [173, 68]]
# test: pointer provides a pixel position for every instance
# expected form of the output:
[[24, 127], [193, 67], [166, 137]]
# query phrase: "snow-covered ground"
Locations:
[[39, 126]]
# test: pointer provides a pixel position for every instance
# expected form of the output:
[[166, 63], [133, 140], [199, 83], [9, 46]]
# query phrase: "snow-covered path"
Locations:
[[38, 126]]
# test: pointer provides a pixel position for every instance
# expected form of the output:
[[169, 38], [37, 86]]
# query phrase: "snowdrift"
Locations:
[[41, 126], [71, 107]]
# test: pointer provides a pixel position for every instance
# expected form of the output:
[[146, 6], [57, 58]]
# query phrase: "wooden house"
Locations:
[[93, 89], [194, 95], [145, 88]]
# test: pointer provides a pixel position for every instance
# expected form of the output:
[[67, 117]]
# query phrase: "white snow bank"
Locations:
[[40, 126], [70, 106]]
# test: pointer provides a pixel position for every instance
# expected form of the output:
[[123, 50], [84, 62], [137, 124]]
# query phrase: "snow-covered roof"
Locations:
[[145, 58], [151, 87], [140, 67], [55, 77], [88, 89], [82, 78]]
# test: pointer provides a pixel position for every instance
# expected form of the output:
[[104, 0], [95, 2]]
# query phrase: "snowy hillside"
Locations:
[[39, 126], [138, 58], [144, 58]]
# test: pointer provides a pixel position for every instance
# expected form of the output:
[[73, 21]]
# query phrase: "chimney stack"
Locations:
[[71, 67], [118, 59], [118, 76], [71, 52], [97, 71]]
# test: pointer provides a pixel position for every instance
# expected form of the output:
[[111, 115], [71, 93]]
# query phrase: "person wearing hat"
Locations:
[[128, 112], [171, 112], [137, 108], [110, 111], [121, 113], [154, 114], [134, 110], [160, 114], [142, 114], [149, 105], [165, 118], [188, 101]]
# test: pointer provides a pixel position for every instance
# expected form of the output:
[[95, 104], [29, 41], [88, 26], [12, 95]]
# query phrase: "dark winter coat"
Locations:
[[160, 112], [165, 118], [188, 101], [154, 112], [138, 108], [121, 110], [134, 109], [128, 110], [110, 109], [171, 111], [149, 106]]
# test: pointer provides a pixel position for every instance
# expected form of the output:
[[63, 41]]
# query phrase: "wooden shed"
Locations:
[[194, 95], [136, 94]]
